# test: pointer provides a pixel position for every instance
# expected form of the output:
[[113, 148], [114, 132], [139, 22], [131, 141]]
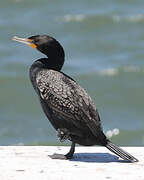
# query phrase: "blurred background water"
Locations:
[[104, 45]]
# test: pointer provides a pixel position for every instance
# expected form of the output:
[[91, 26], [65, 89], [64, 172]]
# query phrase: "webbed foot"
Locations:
[[69, 155], [58, 156]]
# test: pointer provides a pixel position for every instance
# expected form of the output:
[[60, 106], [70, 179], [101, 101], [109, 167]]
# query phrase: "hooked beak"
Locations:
[[25, 41]]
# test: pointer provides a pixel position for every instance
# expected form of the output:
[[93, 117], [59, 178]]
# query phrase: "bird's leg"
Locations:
[[64, 134], [69, 155]]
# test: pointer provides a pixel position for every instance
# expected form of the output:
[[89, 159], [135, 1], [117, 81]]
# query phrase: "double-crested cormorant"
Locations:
[[67, 105]]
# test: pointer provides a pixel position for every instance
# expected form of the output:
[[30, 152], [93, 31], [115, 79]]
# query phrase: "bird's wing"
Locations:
[[65, 96]]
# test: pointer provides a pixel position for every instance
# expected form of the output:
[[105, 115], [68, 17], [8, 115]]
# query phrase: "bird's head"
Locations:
[[45, 44]]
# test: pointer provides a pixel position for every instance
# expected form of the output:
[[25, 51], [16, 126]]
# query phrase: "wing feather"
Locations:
[[66, 97]]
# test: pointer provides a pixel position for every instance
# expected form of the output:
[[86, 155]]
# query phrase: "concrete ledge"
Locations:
[[33, 163]]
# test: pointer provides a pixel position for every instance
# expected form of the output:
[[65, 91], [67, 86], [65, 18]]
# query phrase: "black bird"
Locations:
[[66, 104]]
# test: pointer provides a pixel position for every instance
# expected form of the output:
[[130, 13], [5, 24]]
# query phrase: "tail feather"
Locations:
[[120, 152]]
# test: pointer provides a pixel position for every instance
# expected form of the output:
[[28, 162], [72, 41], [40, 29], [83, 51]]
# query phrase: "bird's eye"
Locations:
[[33, 41]]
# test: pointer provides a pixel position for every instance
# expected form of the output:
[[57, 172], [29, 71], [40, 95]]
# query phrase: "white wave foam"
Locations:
[[18, 144], [108, 72], [116, 18], [112, 132], [76, 17], [132, 69], [115, 71], [129, 18]]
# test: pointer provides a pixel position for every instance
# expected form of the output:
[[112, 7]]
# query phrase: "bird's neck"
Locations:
[[49, 63], [45, 63]]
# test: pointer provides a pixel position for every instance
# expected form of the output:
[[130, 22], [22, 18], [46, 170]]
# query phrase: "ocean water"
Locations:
[[104, 46]]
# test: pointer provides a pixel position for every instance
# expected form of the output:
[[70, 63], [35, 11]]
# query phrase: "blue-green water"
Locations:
[[104, 45]]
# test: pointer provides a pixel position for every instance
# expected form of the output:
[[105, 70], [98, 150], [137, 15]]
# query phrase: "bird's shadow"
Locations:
[[97, 158]]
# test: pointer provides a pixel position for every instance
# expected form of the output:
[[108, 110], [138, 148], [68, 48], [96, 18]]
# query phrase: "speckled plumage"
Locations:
[[71, 107]]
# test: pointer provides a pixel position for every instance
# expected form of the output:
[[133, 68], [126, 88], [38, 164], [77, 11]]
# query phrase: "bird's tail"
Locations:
[[120, 152]]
